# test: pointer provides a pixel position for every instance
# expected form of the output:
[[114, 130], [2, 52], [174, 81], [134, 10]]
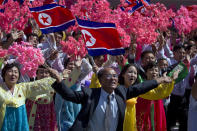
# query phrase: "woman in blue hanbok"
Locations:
[[66, 111], [13, 116]]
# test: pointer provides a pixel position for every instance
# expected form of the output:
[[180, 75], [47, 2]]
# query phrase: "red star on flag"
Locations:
[[44, 19], [87, 37]]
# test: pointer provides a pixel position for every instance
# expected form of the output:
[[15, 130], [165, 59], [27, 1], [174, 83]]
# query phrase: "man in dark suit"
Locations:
[[103, 108]]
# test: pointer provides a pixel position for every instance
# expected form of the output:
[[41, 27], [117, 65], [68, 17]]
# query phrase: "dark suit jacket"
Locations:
[[89, 99]]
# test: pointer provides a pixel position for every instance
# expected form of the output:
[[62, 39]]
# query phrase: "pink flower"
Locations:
[[74, 48], [3, 53], [183, 22], [30, 58]]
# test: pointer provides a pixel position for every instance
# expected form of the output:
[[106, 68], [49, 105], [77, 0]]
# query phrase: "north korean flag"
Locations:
[[134, 5], [52, 18], [100, 38], [2, 2]]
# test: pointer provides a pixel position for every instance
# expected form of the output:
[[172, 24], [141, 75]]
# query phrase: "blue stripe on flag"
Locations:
[[147, 1], [92, 24], [59, 28], [139, 5], [136, 8], [122, 8], [45, 7], [21, 1], [128, 2], [5, 1], [97, 52]]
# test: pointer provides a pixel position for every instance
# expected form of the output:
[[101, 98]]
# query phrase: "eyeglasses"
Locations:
[[110, 76]]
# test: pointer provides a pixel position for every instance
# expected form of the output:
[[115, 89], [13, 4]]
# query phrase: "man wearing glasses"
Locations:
[[103, 108]]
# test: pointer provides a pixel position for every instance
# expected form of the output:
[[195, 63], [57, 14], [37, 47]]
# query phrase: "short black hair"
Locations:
[[97, 56], [8, 36], [66, 61], [43, 67], [150, 65], [60, 33], [124, 69], [195, 38], [178, 47], [100, 73], [40, 38], [9, 66], [160, 59], [32, 34], [188, 47], [126, 49], [146, 52]]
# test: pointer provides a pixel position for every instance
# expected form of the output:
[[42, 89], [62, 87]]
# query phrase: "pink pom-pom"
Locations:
[[183, 22], [74, 48], [3, 53], [30, 58]]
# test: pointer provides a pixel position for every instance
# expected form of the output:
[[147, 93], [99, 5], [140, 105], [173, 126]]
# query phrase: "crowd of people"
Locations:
[[155, 92]]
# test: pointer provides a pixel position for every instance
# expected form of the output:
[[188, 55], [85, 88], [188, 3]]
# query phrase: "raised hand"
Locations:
[[66, 73], [164, 79], [54, 74], [20, 34], [176, 74], [95, 69], [53, 55], [78, 62], [162, 41], [15, 35]]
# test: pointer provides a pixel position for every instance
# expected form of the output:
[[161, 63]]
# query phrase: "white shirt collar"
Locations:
[[104, 94]]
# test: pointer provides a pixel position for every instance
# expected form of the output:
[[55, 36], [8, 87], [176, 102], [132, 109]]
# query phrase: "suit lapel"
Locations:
[[94, 100], [121, 111], [121, 105]]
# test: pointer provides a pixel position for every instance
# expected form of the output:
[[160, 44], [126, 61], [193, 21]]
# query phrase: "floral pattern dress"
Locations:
[[41, 112]]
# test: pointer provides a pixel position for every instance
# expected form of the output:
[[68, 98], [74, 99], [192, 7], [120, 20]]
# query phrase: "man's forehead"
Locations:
[[153, 68], [109, 70], [33, 37], [163, 61], [149, 54]]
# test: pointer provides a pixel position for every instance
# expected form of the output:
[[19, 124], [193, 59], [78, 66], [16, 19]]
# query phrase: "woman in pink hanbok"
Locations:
[[40, 110]]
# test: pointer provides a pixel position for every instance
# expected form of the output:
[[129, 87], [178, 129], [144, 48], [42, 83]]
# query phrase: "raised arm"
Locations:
[[71, 79], [36, 88], [141, 88], [146, 86], [161, 92], [66, 93]]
